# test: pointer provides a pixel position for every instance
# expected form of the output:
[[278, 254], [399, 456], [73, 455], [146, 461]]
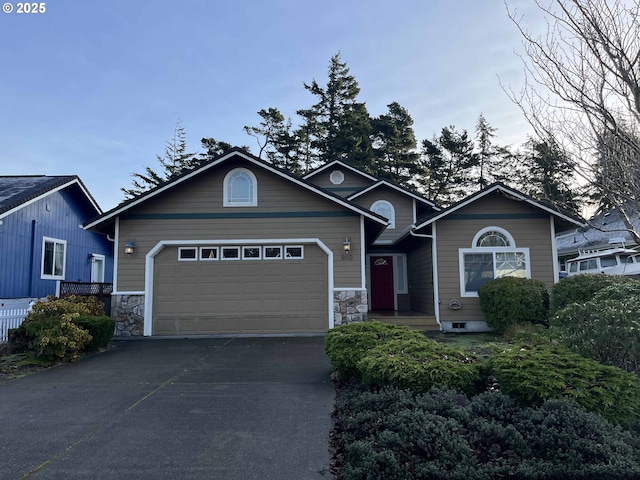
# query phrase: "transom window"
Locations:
[[493, 255], [240, 189], [53, 258], [384, 208]]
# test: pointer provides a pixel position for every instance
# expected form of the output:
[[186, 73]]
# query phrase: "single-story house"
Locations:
[[42, 241], [239, 246]]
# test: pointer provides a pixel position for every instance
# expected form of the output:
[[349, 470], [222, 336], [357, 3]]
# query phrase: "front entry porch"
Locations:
[[414, 320]]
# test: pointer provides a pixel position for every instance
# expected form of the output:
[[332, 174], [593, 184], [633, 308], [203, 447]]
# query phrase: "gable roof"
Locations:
[[234, 152], [18, 191], [340, 164], [398, 188], [508, 192]]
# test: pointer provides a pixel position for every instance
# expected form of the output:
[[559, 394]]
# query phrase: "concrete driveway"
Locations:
[[214, 408]]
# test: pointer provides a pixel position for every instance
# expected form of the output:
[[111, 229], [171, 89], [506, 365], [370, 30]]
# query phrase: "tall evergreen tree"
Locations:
[[336, 127], [214, 148], [394, 144], [175, 161], [447, 162]]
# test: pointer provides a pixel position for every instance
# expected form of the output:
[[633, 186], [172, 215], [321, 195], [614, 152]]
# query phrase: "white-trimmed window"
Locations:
[[187, 254], [97, 267], [208, 253], [53, 258], [272, 252], [230, 253], [384, 208], [240, 189], [294, 251], [493, 254], [336, 177], [251, 253]]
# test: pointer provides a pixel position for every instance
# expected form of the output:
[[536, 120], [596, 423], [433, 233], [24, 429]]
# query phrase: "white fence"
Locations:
[[12, 314]]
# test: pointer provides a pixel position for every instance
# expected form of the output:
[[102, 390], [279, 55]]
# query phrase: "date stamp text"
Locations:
[[28, 8]]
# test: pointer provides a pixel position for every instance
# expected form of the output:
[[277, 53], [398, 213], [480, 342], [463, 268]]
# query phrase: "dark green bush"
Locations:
[[420, 364], [582, 288], [100, 328], [347, 344], [532, 374], [606, 329], [442, 435], [508, 301]]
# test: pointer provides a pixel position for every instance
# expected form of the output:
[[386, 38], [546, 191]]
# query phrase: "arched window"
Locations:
[[240, 189], [493, 254], [384, 208]]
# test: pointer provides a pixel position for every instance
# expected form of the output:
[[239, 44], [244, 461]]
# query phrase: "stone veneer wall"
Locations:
[[349, 306], [128, 313]]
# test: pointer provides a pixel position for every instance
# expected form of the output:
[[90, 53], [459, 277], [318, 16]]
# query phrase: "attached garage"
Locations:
[[242, 287]]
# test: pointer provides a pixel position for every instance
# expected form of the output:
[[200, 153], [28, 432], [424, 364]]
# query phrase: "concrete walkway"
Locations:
[[205, 408]]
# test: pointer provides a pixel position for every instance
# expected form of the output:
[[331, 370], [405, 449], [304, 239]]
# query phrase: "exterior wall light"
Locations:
[[130, 247], [346, 245]]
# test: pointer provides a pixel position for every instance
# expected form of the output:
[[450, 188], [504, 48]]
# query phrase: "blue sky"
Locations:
[[94, 88]]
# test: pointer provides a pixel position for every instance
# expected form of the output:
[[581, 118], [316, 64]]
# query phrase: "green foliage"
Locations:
[[347, 344], [54, 307], [606, 329], [100, 328], [57, 339], [582, 288], [441, 435], [532, 374], [508, 301], [420, 364]]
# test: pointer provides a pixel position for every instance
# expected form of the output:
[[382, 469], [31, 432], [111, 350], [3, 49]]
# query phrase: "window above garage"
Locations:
[[240, 189]]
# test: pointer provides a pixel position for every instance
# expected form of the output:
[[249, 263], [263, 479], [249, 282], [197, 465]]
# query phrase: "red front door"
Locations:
[[381, 272]]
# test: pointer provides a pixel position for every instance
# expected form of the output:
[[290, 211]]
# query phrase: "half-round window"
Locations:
[[492, 237], [384, 208], [240, 189]]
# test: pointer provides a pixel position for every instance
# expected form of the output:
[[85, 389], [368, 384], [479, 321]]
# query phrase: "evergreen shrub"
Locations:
[[606, 329], [507, 301], [532, 374], [581, 288], [100, 328], [347, 344], [57, 339], [420, 364]]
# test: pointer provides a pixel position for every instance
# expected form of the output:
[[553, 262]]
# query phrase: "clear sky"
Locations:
[[94, 87]]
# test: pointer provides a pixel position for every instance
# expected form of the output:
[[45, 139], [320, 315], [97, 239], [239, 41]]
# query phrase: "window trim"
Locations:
[[53, 276], [509, 237], [226, 186], [256, 247], [184, 249], [264, 252], [493, 251], [98, 258], [336, 177], [229, 247], [207, 259], [287, 247], [392, 219]]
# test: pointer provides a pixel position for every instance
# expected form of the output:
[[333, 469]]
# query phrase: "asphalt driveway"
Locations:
[[214, 408]]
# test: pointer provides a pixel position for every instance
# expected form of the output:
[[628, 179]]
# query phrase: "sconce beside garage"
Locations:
[[130, 247]]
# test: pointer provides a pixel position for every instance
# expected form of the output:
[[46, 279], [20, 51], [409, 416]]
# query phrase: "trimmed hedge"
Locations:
[[347, 344], [420, 365], [582, 288], [442, 435], [100, 328], [509, 301], [532, 374]]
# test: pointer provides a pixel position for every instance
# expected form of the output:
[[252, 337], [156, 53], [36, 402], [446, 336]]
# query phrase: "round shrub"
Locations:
[[532, 374], [581, 288], [508, 301], [606, 329], [57, 339], [420, 365], [347, 344], [100, 328]]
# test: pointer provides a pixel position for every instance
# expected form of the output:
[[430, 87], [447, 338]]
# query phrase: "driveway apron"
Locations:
[[196, 408]]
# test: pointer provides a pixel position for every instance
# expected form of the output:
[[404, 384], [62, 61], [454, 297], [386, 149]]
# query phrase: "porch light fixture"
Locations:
[[130, 247], [346, 245]]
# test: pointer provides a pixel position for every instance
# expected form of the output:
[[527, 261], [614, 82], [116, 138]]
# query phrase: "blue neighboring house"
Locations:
[[42, 240]]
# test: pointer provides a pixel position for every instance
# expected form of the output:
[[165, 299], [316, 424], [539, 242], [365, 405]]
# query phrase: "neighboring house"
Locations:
[[41, 237], [605, 230], [240, 246]]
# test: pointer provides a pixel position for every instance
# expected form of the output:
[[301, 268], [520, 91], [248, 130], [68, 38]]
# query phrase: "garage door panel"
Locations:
[[240, 296]]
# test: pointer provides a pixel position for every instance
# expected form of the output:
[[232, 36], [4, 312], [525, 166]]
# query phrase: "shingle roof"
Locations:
[[16, 190]]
